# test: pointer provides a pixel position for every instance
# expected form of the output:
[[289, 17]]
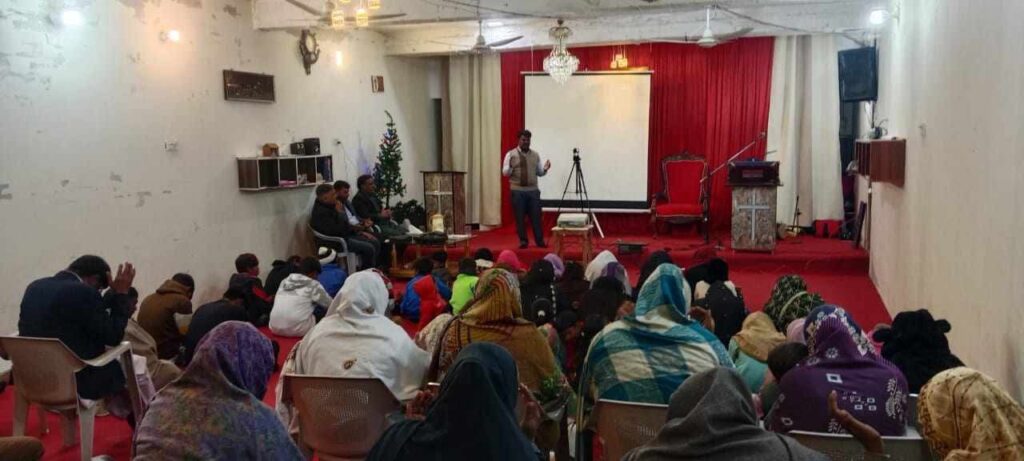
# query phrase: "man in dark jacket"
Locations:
[[327, 220], [280, 270], [366, 203], [156, 313], [68, 306], [209, 316], [246, 280]]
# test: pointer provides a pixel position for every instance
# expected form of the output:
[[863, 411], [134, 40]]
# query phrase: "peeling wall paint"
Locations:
[[94, 105]]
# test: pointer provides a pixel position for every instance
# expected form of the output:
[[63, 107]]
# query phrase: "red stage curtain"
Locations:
[[710, 102]]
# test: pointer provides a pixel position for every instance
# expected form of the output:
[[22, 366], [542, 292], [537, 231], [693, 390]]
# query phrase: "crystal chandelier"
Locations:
[[560, 64]]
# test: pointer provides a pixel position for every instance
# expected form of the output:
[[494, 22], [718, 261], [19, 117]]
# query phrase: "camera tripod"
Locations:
[[576, 174]]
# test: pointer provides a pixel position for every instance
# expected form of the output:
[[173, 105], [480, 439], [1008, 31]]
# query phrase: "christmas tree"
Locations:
[[387, 173]]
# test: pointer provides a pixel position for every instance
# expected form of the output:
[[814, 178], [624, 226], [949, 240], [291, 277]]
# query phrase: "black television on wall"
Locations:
[[858, 74]]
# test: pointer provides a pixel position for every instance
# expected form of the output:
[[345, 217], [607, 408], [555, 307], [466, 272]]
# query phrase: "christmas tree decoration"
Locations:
[[387, 173]]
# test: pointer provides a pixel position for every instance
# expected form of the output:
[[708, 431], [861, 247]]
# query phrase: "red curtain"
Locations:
[[710, 102]]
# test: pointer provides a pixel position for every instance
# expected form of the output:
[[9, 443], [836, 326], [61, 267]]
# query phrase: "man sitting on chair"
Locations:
[[326, 220]]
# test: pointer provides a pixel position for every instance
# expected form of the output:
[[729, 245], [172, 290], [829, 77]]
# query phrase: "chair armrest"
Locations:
[[109, 355]]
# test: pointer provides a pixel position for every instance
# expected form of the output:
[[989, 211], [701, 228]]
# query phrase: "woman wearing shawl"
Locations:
[[841, 359], [965, 415], [539, 284], [790, 300], [795, 331], [711, 417], [214, 410], [509, 261], [645, 356], [650, 265], [556, 263], [572, 284], [472, 417], [431, 302], [496, 316], [916, 343], [750, 347], [358, 341], [605, 264]]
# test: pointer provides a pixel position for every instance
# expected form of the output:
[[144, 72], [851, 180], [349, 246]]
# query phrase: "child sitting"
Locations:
[[332, 276], [300, 302], [246, 280], [465, 285], [781, 359]]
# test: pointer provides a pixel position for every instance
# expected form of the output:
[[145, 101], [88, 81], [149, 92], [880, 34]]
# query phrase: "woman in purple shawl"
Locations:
[[841, 359], [214, 410]]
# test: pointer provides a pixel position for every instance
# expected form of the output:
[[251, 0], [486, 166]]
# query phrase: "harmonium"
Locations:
[[754, 207]]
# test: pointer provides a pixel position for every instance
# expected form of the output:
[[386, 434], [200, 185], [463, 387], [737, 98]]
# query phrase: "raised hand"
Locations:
[[123, 281], [547, 165], [865, 434]]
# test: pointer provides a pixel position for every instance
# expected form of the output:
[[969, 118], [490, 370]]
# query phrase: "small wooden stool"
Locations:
[[582, 234]]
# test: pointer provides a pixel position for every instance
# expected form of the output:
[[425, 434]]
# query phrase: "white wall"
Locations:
[[86, 110], [952, 83]]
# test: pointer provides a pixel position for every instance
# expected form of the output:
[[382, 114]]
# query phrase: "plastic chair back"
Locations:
[[352, 260], [843, 447], [624, 426], [44, 370], [340, 418]]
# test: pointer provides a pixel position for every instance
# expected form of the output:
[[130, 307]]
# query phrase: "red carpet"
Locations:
[[831, 267]]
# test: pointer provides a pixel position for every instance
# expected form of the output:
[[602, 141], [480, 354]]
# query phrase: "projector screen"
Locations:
[[606, 116]]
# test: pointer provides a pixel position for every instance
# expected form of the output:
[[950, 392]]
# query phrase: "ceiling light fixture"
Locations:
[[373, 4], [878, 16], [337, 18], [560, 64], [71, 18], [362, 17], [171, 35]]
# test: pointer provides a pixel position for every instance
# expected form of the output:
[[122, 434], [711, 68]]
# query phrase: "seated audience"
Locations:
[[557, 264], [369, 207], [572, 284], [68, 307], [409, 309], [161, 372], [606, 298], [795, 331], [367, 227], [790, 300], [750, 347], [703, 275], [21, 449], [496, 316], [841, 359], [332, 276], [246, 281], [605, 264], [916, 343], [780, 360], [428, 336], [562, 333], [156, 314], [326, 220], [358, 341], [711, 417], [215, 410], [649, 353], [509, 261], [727, 307], [484, 259], [966, 415], [539, 284], [431, 303], [465, 285], [650, 265], [301, 302], [472, 416], [209, 316], [278, 271], [440, 259]]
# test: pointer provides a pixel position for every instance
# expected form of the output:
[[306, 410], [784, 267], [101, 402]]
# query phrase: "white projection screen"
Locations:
[[606, 116]]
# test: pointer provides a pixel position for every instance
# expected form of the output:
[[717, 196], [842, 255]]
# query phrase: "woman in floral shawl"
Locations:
[[214, 410], [790, 300], [840, 359], [495, 315]]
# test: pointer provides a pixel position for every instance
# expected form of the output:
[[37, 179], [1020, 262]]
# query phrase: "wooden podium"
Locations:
[[445, 192], [754, 189]]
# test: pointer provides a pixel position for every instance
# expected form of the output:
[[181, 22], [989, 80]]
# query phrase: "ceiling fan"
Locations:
[[325, 17], [708, 39], [483, 45]]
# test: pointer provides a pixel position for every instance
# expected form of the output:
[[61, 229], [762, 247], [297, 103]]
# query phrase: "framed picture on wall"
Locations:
[[377, 83], [246, 86]]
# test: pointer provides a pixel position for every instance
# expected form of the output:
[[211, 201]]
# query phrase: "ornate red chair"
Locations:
[[685, 198]]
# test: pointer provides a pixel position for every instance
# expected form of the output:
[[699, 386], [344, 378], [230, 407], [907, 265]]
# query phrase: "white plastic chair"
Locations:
[[339, 418], [44, 375], [843, 447], [352, 260], [623, 426]]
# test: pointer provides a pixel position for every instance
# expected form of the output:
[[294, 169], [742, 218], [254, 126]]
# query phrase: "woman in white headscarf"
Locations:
[[358, 341], [606, 264]]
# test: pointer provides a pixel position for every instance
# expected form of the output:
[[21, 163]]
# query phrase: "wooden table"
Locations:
[[581, 234], [454, 241]]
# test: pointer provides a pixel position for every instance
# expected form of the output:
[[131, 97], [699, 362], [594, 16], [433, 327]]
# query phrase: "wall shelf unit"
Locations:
[[258, 174], [882, 160]]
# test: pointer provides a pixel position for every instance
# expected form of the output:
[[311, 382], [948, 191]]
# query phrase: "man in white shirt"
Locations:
[[523, 166]]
